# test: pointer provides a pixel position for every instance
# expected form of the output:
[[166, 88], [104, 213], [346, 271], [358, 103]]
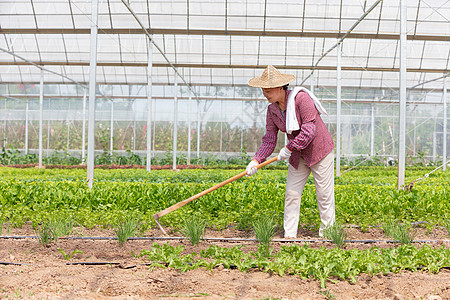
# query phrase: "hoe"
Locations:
[[186, 201]]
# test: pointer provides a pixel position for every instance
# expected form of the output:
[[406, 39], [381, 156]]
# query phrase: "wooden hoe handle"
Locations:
[[184, 202]]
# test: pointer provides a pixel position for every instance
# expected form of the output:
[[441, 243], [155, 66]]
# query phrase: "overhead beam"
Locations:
[[156, 31], [219, 66], [415, 88], [214, 98]]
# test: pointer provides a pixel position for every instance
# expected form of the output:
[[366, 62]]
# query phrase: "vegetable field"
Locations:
[[365, 197], [367, 201]]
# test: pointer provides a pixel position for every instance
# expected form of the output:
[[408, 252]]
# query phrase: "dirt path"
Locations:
[[46, 275]]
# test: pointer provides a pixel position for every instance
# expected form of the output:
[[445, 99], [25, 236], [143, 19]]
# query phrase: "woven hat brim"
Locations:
[[264, 83]]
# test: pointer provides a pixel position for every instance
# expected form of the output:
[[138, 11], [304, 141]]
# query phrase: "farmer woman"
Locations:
[[310, 147]]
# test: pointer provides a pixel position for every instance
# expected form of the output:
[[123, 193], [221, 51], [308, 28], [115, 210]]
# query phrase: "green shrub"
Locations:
[[336, 234], [44, 234], [125, 230], [264, 228], [193, 229], [61, 226]]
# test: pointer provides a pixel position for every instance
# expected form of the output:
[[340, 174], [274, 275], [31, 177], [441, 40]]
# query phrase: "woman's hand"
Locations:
[[251, 168], [285, 153]]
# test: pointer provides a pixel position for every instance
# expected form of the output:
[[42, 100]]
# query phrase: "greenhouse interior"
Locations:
[[157, 80], [147, 152]]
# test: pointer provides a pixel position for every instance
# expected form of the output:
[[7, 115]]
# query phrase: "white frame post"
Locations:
[[41, 115], [26, 124], [444, 126], [338, 110], [402, 98], [68, 133], [189, 128], [175, 121], [199, 127], [92, 88], [149, 106], [83, 135], [372, 131], [221, 130], [4, 129], [111, 130]]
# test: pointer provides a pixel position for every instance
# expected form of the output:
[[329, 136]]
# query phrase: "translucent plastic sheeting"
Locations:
[[204, 38]]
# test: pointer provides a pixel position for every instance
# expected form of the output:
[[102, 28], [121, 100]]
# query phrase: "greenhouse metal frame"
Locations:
[[380, 67]]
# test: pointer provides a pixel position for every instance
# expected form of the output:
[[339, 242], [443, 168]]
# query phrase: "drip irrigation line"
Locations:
[[18, 237], [6, 263], [282, 240], [102, 263]]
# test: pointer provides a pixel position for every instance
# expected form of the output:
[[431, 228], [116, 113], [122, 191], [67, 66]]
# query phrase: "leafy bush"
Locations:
[[44, 234], [336, 234], [125, 230], [401, 233], [193, 228], [61, 226], [264, 228]]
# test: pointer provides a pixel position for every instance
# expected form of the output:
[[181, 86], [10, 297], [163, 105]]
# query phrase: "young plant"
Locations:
[[264, 228], [403, 234], [327, 293], [447, 226], [67, 256], [336, 234], [193, 229], [44, 234], [389, 228], [61, 226], [125, 230]]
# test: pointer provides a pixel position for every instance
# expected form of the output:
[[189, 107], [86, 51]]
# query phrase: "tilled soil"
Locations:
[[44, 273]]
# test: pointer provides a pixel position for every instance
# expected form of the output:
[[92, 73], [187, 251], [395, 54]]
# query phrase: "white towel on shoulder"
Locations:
[[291, 116]]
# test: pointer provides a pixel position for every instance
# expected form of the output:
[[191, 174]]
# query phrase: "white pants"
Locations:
[[323, 173]]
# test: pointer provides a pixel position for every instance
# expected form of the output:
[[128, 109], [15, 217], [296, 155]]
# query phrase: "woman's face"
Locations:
[[273, 94]]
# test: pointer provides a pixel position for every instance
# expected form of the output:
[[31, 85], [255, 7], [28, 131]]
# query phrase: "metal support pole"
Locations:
[[83, 134], [92, 88], [175, 121], [111, 130], [149, 106], [154, 130], [221, 130], [338, 110], [198, 128], [134, 135], [26, 125], [48, 137], [434, 145], [4, 129], [189, 128], [372, 131], [402, 100], [414, 133], [41, 115], [444, 126], [242, 126], [68, 135]]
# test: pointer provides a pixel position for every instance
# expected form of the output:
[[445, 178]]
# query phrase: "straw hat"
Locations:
[[271, 78]]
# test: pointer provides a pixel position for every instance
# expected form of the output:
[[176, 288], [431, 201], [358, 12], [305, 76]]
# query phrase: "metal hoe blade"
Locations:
[[157, 222]]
